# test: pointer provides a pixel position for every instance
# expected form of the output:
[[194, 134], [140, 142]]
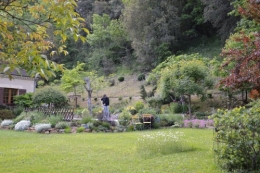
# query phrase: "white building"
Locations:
[[19, 84]]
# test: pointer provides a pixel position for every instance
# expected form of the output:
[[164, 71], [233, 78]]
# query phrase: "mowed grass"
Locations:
[[25, 152]]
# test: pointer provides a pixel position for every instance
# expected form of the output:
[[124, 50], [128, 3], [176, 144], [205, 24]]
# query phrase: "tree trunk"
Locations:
[[189, 98], [89, 90], [75, 97]]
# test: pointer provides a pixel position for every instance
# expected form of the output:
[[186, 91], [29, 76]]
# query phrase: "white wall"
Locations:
[[18, 83]]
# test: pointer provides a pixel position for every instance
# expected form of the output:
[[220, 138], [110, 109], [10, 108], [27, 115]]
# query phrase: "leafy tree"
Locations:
[[30, 28], [108, 43], [241, 52], [74, 80], [158, 26], [184, 75], [217, 13]]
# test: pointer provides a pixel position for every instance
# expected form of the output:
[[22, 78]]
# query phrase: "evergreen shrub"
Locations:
[[141, 77], [121, 79], [6, 114]]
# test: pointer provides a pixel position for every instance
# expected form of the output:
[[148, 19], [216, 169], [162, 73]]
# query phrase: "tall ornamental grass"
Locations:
[[162, 143]]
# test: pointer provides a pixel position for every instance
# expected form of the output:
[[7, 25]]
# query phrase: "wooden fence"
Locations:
[[67, 113]]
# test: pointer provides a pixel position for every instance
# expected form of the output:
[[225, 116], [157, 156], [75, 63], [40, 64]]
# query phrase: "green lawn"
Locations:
[[25, 152]]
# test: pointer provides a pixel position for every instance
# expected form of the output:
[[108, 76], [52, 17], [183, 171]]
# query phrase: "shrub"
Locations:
[[67, 130], [139, 105], [121, 79], [54, 119], [6, 114], [40, 127], [238, 132], [62, 125], [40, 83], [112, 82], [17, 111], [6, 123], [124, 117], [141, 77], [120, 98], [85, 113], [24, 100], [86, 120], [178, 108], [80, 129], [49, 95], [56, 81], [22, 125]]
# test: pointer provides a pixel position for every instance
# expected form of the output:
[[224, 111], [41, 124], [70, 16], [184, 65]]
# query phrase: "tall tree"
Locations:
[[26, 27], [157, 26], [184, 75], [242, 50], [217, 12], [108, 43]]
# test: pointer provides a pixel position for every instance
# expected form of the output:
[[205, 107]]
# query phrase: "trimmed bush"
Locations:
[[67, 130], [6, 114], [141, 77], [22, 125], [121, 79], [40, 127], [49, 95], [80, 129], [139, 105], [6, 123]]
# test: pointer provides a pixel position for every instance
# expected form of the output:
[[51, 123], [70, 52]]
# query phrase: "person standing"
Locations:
[[105, 103]]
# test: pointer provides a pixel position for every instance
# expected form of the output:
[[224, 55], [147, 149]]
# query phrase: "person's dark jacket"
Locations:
[[105, 101]]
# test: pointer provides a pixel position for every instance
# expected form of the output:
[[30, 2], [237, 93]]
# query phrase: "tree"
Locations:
[[242, 50], [31, 28], [184, 75], [74, 80], [158, 26], [108, 43], [217, 13]]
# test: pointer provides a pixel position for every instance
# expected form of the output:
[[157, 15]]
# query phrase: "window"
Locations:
[[9, 94]]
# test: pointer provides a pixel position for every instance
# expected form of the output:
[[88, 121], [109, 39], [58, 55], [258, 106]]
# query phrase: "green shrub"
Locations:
[[67, 130], [40, 83], [6, 114], [54, 119], [121, 79], [238, 132], [120, 98], [18, 110], [24, 100], [178, 108], [80, 129], [49, 95], [106, 125], [56, 81], [170, 119], [124, 117], [62, 125], [139, 105], [86, 120], [141, 77]]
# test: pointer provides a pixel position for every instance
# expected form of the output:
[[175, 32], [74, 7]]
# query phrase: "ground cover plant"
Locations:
[[103, 152]]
